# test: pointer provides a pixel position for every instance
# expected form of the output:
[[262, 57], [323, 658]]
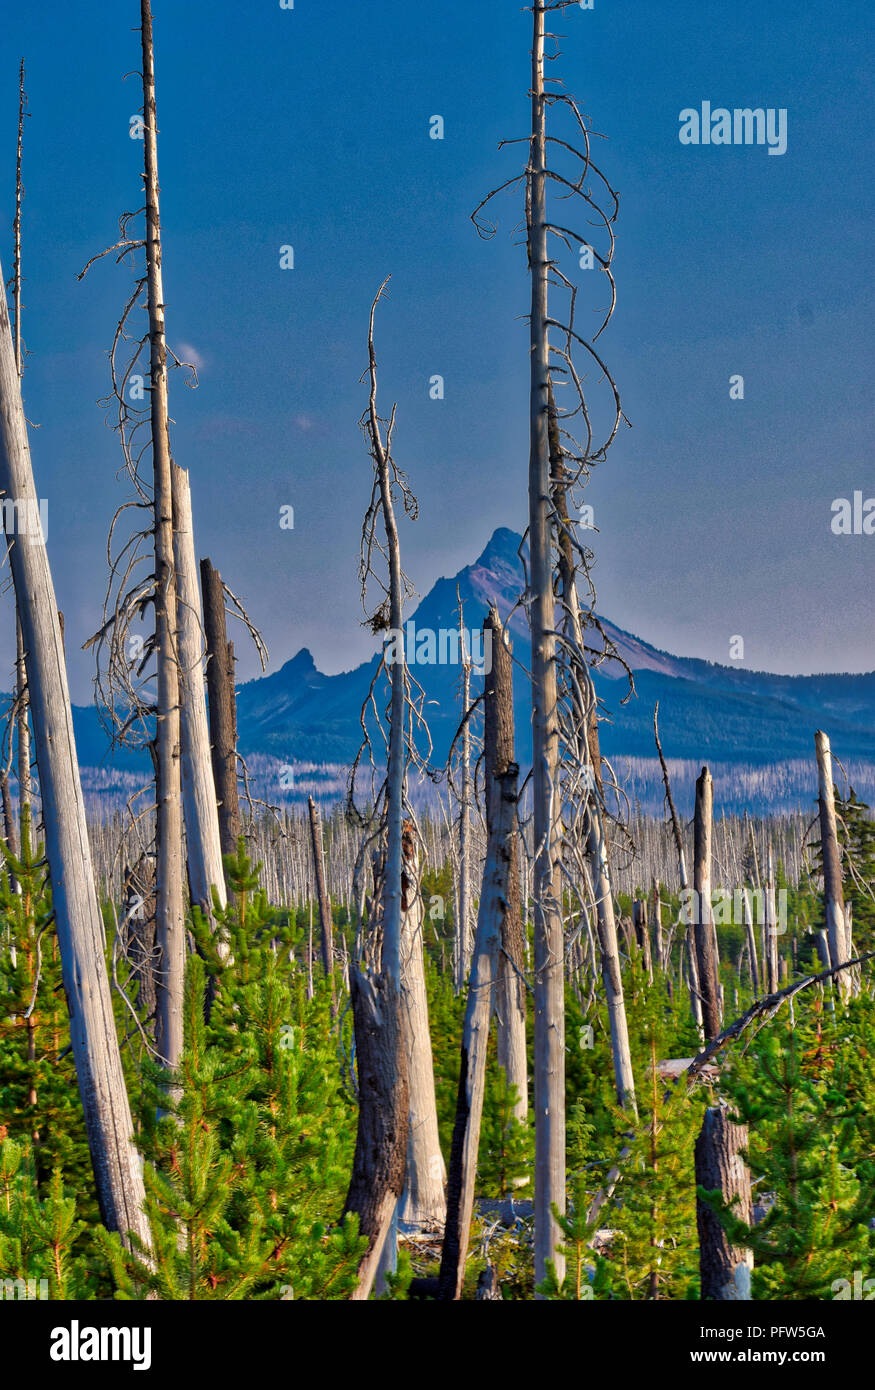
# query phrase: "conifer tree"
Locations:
[[791, 1093]]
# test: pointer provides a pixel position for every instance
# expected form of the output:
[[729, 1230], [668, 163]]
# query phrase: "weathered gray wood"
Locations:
[[78, 920], [423, 1202], [833, 891], [724, 1268], [222, 702], [549, 945], [475, 1038], [326, 924], [170, 918], [203, 845], [703, 921], [381, 1140], [642, 934], [509, 996]]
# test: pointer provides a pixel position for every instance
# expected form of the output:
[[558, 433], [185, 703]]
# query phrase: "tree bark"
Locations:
[[326, 925], [170, 922], [549, 983], [724, 1268], [423, 1203], [203, 844], [381, 1139], [751, 943], [642, 936], [833, 891], [475, 1037], [703, 921], [509, 997], [78, 921], [223, 707]]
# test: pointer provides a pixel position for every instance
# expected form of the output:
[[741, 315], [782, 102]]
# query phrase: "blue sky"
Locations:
[[311, 127]]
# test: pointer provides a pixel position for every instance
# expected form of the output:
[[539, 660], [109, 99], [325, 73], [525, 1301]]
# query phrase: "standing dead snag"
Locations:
[[475, 1035], [21, 698], [170, 923], [703, 919], [509, 995], [463, 941], [203, 844], [566, 813], [423, 1203], [381, 1141], [78, 921], [549, 944], [837, 932], [725, 1268], [223, 707], [692, 967], [322, 898]]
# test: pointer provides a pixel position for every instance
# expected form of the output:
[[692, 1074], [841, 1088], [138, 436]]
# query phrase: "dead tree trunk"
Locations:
[[326, 925], [78, 920], [423, 1203], [138, 909], [475, 1037], [381, 1144], [833, 891], [751, 943], [509, 997], [21, 700], [692, 969], [170, 922], [606, 924], [770, 925], [381, 1139], [725, 1269], [703, 923], [223, 707], [642, 936], [549, 952], [463, 925], [205, 871]]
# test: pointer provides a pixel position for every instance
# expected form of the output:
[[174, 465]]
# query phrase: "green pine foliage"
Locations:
[[247, 1173], [40, 1236], [39, 1095], [805, 1094]]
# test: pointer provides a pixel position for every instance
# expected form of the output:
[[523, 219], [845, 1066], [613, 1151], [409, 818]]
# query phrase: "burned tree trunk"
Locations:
[[381, 1140], [326, 925], [223, 707], [77, 915], [725, 1269], [205, 871], [703, 922], [642, 937], [833, 891], [692, 969], [170, 923], [475, 1036], [751, 943], [509, 996]]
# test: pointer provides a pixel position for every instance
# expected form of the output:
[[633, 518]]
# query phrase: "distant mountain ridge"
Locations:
[[707, 712]]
